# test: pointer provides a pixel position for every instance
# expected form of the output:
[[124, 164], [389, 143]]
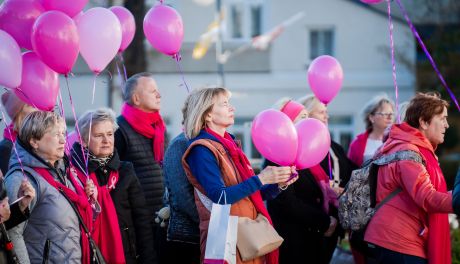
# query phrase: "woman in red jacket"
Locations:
[[413, 227], [378, 115]]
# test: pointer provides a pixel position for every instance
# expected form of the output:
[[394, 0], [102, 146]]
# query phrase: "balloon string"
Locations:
[[14, 144], [76, 126], [62, 112], [94, 88], [425, 50], [27, 97], [177, 58], [393, 62]]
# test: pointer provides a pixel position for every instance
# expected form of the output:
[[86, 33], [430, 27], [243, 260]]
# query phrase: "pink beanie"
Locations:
[[292, 109], [13, 105]]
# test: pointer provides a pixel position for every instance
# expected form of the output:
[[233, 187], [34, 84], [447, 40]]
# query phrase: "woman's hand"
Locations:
[[28, 192], [272, 175], [293, 178], [331, 228], [91, 190], [4, 210]]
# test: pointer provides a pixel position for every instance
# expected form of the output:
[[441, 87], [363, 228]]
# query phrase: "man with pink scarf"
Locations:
[[140, 140]]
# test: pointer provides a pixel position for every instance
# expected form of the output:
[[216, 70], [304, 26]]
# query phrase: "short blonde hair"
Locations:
[[93, 117], [309, 101], [200, 103], [36, 124]]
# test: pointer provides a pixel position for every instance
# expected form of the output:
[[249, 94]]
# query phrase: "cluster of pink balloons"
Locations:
[[280, 141], [164, 29], [56, 31]]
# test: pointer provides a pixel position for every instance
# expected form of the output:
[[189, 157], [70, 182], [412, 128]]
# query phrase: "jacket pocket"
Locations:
[[46, 252]]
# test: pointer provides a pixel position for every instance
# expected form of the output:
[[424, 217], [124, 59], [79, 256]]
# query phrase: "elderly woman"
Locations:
[[412, 227], [53, 232], [341, 165], [17, 110], [303, 214], [378, 115], [124, 224], [209, 114]]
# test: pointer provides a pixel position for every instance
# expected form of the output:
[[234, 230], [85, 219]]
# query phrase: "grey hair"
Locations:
[[131, 85], [309, 101], [36, 124], [281, 103], [200, 103], [372, 106], [92, 117]]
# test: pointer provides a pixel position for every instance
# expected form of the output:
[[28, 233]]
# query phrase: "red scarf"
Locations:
[[244, 169], [149, 125], [106, 231], [329, 196], [438, 224], [80, 200], [9, 133]]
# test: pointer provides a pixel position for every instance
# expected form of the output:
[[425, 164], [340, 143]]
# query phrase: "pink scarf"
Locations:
[[149, 125], [106, 231], [438, 224], [245, 170], [329, 196], [9, 133], [80, 200]]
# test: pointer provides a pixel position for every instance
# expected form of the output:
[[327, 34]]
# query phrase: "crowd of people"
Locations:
[[122, 196]]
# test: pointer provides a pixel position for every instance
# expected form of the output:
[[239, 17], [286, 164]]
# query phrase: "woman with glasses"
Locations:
[[378, 115]]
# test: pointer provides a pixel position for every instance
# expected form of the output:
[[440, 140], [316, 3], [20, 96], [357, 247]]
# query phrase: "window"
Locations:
[[341, 129], [321, 43], [244, 18]]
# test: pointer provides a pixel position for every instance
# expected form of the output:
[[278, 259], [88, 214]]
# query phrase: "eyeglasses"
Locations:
[[387, 115]]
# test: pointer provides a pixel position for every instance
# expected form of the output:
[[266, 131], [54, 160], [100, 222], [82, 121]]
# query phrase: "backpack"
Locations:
[[357, 204]]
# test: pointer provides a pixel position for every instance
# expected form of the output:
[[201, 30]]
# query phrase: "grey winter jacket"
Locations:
[[53, 223]]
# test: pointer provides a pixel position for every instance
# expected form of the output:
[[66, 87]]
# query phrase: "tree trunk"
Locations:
[[134, 56]]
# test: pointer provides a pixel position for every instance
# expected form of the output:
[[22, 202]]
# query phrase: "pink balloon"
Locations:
[[100, 37], [274, 135], [77, 17], [325, 76], [17, 18], [55, 40], [372, 1], [164, 29], [71, 8], [314, 143], [10, 61], [128, 25], [40, 84], [72, 137]]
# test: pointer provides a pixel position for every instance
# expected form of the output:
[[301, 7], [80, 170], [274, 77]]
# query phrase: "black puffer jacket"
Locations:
[[134, 218], [136, 148], [6, 147]]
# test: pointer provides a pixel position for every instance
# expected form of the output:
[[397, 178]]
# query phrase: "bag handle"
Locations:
[[220, 197]]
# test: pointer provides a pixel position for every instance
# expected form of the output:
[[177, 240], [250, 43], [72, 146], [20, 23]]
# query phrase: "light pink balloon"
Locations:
[[164, 29], [17, 18], [100, 37], [325, 76], [10, 61], [314, 142], [69, 7], [77, 17], [40, 85], [372, 1], [55, 40], [274, 135], [128, 25]]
